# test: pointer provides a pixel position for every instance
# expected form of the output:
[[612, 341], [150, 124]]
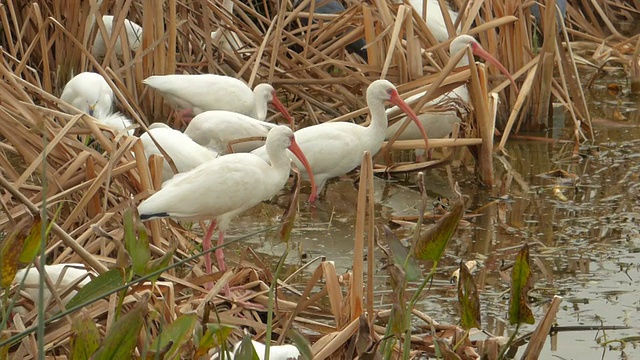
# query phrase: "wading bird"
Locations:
[[216, 129], [194, 94], [439, 124], [224, 187], [185, 153], [335, 148]]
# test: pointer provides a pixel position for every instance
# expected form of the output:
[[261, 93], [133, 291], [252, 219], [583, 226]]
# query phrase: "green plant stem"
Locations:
[[407, 314], [388, 343], [270, 303], [509, 342], [457, 345]]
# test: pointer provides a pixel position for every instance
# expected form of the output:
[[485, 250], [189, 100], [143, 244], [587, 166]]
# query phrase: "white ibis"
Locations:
[[276, 352], [439, 124], [434, 18], [217, 128], [224, 187], [335, 148], [65, 277], [229, 40], [134, 37], [199, 93], [90, 93], [119, 122], [185, 153]]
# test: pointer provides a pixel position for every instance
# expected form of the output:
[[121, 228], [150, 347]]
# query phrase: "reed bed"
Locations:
[[85, 176]]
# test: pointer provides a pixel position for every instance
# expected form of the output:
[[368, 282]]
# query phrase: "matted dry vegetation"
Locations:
[[47, 161]]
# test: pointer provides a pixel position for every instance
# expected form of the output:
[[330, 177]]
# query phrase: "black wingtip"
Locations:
[[153, 216]]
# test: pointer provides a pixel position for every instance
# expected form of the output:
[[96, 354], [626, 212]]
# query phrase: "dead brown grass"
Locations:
[[45, 43]]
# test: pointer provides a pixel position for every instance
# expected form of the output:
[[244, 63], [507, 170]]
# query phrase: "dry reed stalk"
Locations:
[[45, 43]]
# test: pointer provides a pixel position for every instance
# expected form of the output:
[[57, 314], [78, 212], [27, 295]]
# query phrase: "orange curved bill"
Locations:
[[295, 149], [397, 100], [283, 110], [479, 51]]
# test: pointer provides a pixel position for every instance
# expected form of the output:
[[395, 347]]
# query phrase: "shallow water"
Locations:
[[585, 248]]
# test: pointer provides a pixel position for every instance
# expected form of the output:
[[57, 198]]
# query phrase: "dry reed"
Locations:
[[45, 43]]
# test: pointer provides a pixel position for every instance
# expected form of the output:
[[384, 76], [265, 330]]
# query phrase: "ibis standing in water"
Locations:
[[335, 148], [439, 124], [185, 153], [194, 94], [226, 186]]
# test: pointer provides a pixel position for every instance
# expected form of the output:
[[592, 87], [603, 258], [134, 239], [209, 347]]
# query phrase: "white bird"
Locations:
[[439, 124], [276, 352], [90, 93], [215, 129], [224, 187], [134, 37], [434, 18], [119, 122], [64, 276], [203, 92], [335, 148], [185, 153], [229, 40]]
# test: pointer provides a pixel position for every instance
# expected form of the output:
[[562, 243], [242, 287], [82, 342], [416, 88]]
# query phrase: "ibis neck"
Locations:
[[261, 108], [463, 62], [278, 158], [379, 122]]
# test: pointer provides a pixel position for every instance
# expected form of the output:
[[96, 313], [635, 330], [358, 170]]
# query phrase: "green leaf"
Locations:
[[519, 310], [246, 351], [469, 299], [431, 244], [31, 245], [177, 333], [98, 287], [215, 336], [401, 256], [10, 250], [85, 337], [399, 306], [161, 263], [121, 339], [137, 247]]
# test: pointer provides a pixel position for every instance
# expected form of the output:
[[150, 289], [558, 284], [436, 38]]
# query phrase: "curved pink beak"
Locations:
[[283, 110], [295, 149], [479, 51], [397, 100]]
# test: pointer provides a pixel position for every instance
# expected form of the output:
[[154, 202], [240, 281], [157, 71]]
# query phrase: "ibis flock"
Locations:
[[224, 166]]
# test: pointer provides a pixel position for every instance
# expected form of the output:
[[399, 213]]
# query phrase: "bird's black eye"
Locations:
[[390, 92]]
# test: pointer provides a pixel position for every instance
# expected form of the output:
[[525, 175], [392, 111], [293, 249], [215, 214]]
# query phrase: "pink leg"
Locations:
[[221, 263], [206, 245], [186, 115], [219, 253]]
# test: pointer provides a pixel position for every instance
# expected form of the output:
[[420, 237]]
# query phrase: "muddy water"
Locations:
[[585, 234]]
